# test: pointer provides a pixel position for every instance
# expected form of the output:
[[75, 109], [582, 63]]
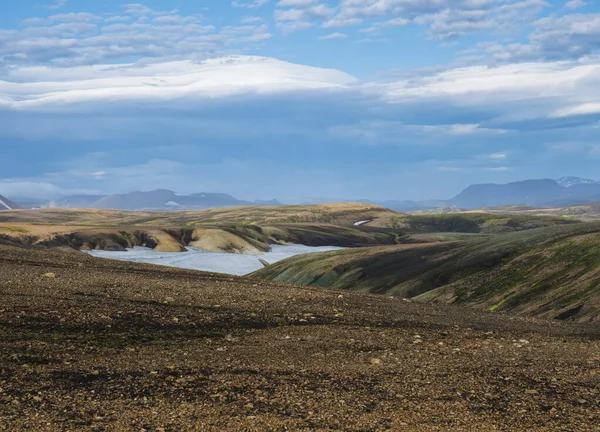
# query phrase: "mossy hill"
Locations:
[[551, 272]]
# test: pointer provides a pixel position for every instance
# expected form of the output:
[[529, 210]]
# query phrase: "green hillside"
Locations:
[[552, 272]]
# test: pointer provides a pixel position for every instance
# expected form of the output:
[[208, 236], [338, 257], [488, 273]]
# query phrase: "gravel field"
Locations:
[[89, 344]]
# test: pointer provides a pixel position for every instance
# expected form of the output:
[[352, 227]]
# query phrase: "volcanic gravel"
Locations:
[[98, 345]]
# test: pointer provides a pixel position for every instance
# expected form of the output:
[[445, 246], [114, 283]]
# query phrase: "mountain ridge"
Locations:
[[167, 199], [565, 191], [6, 204]]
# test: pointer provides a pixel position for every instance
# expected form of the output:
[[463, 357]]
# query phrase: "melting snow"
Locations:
[[198, 259], [362, 222]]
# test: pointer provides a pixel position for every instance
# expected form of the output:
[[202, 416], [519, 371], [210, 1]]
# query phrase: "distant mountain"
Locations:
[[528, 192], [78, 201], [6, 204], [166, 199], [572, 181], [536, 193]]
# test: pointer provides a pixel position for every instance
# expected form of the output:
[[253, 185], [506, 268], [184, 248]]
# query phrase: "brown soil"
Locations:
[[98, 345]]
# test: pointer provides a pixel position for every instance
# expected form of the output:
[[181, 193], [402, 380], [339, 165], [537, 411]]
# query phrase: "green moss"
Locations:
[[499, 304]]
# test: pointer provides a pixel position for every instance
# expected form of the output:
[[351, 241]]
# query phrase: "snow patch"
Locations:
[[5, 205], [198, 259], [360, 223]]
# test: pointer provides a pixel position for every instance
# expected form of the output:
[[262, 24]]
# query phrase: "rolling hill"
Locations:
[[551, 272], [236, 229]]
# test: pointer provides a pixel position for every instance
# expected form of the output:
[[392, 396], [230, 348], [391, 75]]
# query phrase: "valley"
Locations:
[[463, 321]]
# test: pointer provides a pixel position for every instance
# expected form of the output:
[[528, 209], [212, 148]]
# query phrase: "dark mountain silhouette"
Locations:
[[528, 192], [536, 193]]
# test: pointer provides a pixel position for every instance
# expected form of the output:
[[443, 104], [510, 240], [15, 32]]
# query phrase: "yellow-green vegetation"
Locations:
[[588, 211], [235, 230], [552, 272], [479, 223], [249, 229], [344, 214]]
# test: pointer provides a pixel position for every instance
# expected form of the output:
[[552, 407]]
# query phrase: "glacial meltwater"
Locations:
[[198, 259]]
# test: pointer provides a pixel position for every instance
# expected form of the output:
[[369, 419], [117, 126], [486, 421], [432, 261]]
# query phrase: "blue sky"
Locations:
[[296, 99]]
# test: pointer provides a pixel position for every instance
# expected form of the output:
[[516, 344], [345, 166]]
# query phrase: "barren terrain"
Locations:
[[98, 345]]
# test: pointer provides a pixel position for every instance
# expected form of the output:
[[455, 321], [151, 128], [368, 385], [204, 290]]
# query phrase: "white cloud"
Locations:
[[305, 13], [398, 133], [58, 4], [542, 91], [575, 4], [83, 38], [40, 190], [444, 18], [301, 15], [296, 3], [251, 5], [252, 19], [501, 168], [160, 81], [337, 22], [575, 110], [378, 26], [570, 36], [290, 27], [511, 82], [496, 156], [333, 36]]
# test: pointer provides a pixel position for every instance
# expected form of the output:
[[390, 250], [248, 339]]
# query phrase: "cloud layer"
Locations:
[[147, 98]]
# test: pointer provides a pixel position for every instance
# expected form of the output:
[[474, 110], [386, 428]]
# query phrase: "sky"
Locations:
[[296, 99]]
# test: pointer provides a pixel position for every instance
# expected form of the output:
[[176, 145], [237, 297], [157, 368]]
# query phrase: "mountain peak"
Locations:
[[6, 204], [572, 181]]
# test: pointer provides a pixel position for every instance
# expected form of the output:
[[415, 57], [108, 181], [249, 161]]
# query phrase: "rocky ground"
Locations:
[[96, 345]]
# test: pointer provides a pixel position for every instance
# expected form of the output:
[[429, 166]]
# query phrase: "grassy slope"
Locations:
[[248, 229], [551, 272], [344, 214], [481, 223], [588, 211], [240, 230]]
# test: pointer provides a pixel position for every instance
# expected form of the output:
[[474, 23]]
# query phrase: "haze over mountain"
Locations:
[[565, 191], [572, 181], [536, 193], [166, 199], [6, 204]]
